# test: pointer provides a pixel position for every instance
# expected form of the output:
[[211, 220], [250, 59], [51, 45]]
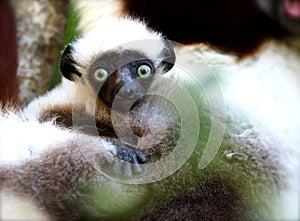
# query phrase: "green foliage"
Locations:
[[70, 33]]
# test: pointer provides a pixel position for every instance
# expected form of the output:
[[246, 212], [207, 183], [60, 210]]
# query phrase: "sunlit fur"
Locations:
[[39, 142], [96, 11], [266, 89], [272, 161], [256, 142], [104, 38], [114, 34]]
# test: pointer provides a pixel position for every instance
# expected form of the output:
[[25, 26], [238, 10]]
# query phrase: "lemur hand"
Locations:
[[127, 154]]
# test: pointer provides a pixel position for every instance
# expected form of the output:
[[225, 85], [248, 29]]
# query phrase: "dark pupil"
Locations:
[[100, 74], [144, 70]]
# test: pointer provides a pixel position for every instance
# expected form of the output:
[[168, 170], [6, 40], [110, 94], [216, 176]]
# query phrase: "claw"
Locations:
[[141, 157], [133, 156], [137, 168]]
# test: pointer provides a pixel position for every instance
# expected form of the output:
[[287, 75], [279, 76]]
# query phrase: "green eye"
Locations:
[[100, 74], [144, 71]]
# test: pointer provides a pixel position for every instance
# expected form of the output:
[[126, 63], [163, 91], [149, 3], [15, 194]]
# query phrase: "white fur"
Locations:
[[22, 139], [91, 11], [66, 93], [116, 34], [14, 207], [267, 94], [266, 89], [25, 139], [34, 138]]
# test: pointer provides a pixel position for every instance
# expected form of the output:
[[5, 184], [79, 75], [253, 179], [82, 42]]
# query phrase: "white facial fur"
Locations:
[[117, 34]]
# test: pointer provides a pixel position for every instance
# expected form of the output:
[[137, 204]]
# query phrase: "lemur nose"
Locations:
[[127, 93]]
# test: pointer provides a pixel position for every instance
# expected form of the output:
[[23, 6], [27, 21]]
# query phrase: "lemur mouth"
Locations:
[[124, 105], [292, 9], [125, 102]]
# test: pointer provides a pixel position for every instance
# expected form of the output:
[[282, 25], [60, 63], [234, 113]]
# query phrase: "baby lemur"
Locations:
[[109, 71]]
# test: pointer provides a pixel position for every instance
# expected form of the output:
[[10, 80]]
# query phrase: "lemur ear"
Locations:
[[67, 64], [169, 55]]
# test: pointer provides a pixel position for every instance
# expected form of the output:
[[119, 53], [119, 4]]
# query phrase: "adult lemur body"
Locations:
[[57, 173], [264, 84]]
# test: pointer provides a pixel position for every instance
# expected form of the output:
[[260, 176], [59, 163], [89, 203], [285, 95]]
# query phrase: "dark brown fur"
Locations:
[[58, 181], [212, 201], [67, 116]]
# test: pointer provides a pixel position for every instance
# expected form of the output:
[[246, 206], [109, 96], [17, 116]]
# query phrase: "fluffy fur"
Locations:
[[112, 39], [264, 88], [250, 87], [274, 104], [61, 177], [52, 133], [42, 144], [85, 93], [249, 174], [97, 10]]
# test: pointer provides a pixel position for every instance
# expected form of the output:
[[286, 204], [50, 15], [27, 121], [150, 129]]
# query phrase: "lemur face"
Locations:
[[285, 12], [121, 74], [122, 78]]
